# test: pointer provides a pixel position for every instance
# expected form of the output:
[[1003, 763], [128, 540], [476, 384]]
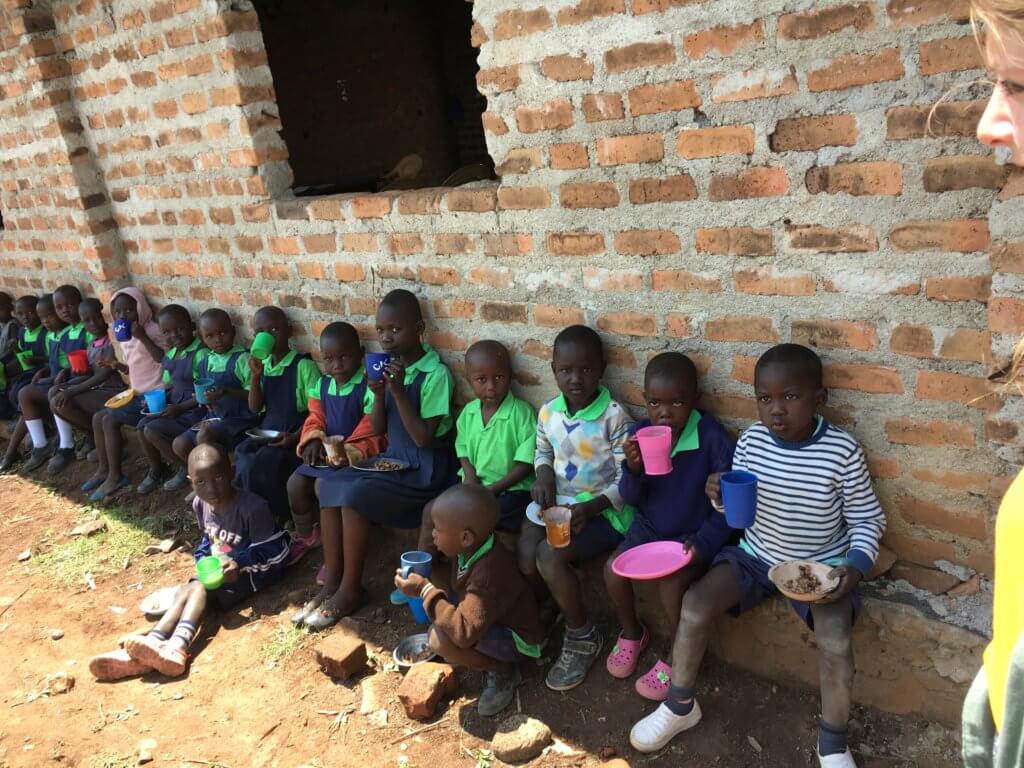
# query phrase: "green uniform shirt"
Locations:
[[436, 392], [216, 363], [338, 391], [54, 337], [173, 353], [306, 376], [31, 335], [509, 437]]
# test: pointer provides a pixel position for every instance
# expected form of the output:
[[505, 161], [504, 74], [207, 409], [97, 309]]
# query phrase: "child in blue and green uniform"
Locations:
[[336, 404], [30, 348], [279, 391], [412, 404], [66, 334], [180, 369], [227, 364], [9, 329]]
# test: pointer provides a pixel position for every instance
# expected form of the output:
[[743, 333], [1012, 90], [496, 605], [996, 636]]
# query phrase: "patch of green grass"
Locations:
[[285, 641], [127, 535]]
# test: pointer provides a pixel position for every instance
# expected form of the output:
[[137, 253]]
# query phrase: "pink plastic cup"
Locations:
[[656, 449]]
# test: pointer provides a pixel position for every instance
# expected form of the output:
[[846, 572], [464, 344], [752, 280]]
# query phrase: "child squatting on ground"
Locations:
[[239, 528], [814, 502], [483, 616]]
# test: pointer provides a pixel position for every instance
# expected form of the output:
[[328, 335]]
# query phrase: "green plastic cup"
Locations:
[[262, 345], [210, 572]]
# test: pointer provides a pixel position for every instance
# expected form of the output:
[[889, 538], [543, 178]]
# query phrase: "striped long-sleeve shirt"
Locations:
[[814, 498]]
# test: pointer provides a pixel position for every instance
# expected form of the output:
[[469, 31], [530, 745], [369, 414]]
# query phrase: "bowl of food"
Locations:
[[803, 580], [120, 400], [381, 464], [413, 650], [264, 435], [212, 421]]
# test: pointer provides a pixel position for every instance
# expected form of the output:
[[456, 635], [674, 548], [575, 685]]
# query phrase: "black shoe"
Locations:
[[62, 457], [85, 449], [499, 690], [37, 458]]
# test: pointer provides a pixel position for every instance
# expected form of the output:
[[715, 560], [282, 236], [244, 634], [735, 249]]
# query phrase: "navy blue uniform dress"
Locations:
[[343, 415]]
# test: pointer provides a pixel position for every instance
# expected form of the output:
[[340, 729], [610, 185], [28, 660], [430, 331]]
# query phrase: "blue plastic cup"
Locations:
[[739, 495], [416, 561], [122, 330], [376, 362], [416, 606], [202, 387], [156, 400]]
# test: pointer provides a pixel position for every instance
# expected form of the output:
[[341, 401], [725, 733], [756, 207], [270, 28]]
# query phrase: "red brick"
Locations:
[[359, 242], [921, 551], [639, 55], [587, 10], [568, 157], [972, 482], [967, 345], [493, 312], [725, 40], [498, 79], [552, 116], [349, 273], [639, 148], [673, 189], [275, 272], [961, 235], [1006, 315], [715, 142], [598, 107], [518, 23], [575, 243], [523, 198], [865, 378], [494, 123], [424, 686], [876, 178], [628, 324], [751, 183], [371, 206], [835, 334], [809, 133], [1001, 431], [853, 70], [916, 12], [741, 328], [972, 391], [829, 21], [472, 200], [405, 243], [424, 202], [736, 241], [946, 174], [948, 118], [729, 406], [931, 515], [193, 103], [852, 238], [602, 194], [682, 281], [956, 288], [766, 281], [1007, 256], [477, 35], [565, 68], [548, 316], [508, 244], [641, 7], [453, 244], [495, 278], [930, 433], [678, 326], [883, 466], [753, 84], [647, 242], [285, 246], [913, 340], [653, 98], [310, 270], [439, 275], [320, 243], [950, 55]]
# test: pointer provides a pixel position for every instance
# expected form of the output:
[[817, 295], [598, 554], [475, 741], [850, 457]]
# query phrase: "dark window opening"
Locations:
[[376, 94]]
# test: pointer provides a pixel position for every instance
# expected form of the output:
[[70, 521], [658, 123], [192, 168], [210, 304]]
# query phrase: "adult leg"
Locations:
[[833, 628]]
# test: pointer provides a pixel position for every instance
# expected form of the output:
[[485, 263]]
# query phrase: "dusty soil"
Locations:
[[237, 707]]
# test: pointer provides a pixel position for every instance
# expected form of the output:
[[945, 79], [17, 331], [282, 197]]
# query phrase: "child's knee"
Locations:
[[611, 578], [696, 610], [438, 641], [833, 630], [550, 560]]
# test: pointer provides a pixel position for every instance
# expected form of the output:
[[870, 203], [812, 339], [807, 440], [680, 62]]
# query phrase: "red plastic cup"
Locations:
[[79, 360], [656, 448]]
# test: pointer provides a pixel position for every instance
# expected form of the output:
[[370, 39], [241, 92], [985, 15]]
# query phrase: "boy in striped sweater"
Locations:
[[814, 502]]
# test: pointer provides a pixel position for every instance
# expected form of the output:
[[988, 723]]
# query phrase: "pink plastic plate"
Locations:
[[654, 560]]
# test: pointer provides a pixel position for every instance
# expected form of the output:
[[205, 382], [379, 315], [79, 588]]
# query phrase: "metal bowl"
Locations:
[[199, 424], [411, 646], [264, 435]]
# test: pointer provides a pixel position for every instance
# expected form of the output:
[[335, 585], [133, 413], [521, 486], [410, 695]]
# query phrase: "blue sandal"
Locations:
[[98, 495], [90, 485]]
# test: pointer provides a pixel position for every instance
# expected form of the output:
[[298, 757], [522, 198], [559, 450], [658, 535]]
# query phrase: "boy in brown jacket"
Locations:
[[487, 618]]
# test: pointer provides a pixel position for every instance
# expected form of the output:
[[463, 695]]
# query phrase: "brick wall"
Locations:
[[711, 177]]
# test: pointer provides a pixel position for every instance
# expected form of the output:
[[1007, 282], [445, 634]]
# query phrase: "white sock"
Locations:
[[37, 432], [66, 432]]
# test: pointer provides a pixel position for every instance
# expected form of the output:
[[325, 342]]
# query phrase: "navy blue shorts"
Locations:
[[171, 427], [511, 510], [642, 532], [497, 642], [130, 415], [598, 537], [755, 586]]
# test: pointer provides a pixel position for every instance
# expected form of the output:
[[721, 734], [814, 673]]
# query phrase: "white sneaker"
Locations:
[[662, 725], [842, 760]]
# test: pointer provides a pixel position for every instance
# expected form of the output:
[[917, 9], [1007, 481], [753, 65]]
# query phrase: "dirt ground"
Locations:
[[255, 697]]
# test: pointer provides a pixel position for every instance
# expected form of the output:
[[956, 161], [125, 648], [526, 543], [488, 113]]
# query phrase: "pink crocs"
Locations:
[[654, 685], [625, 655]]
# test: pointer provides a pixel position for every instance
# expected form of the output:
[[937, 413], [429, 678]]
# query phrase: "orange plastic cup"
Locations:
[[557, 524]]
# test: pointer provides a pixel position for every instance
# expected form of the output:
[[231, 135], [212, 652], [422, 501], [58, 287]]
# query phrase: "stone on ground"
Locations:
[[341, 655], [424, 686], [146, 749], [520, 738]]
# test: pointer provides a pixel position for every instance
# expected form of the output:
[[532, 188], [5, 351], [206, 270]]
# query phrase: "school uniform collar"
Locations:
[[591, 413], [74, 331], [502, 413], [816, 435], [689, 440], [31, 334], [192, 347], [226, 355], [271, 369], [427, 363], [348, 386], [487, 546]]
